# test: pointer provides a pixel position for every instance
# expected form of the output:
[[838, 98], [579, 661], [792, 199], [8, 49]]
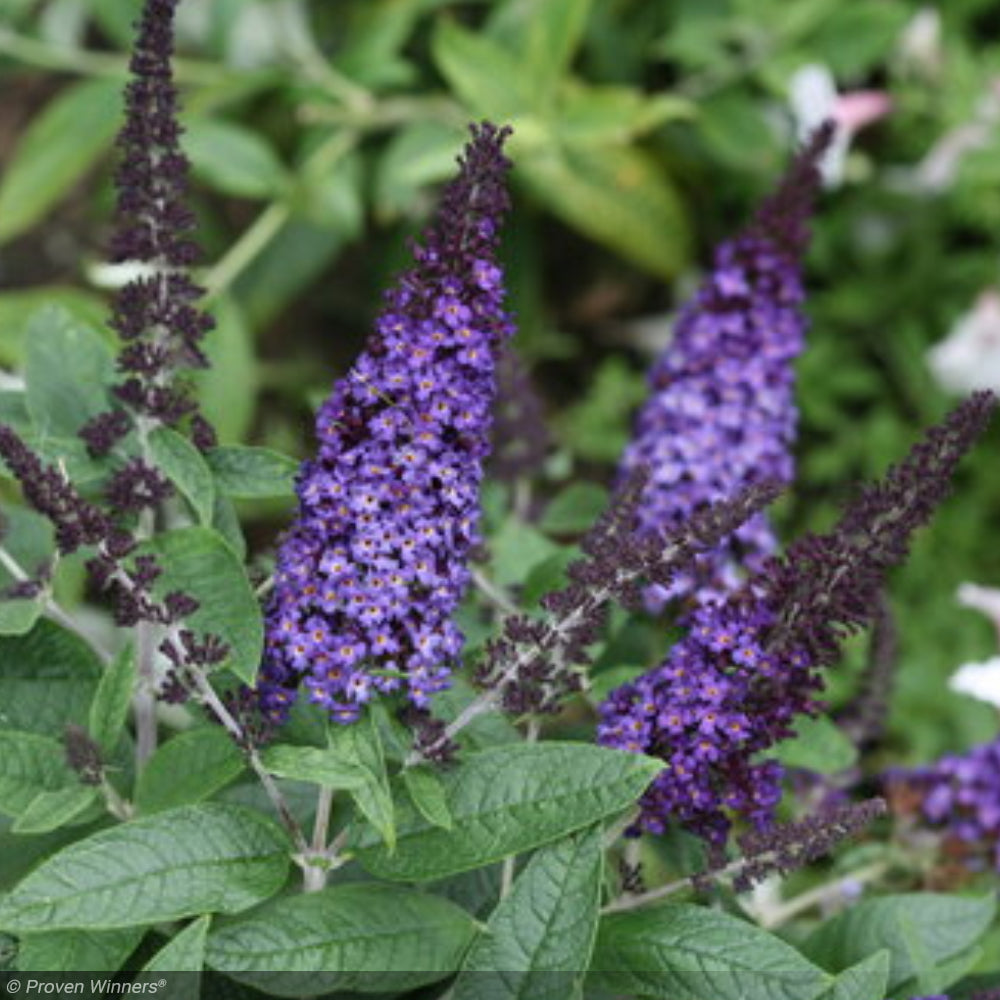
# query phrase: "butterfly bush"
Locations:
[[361, 608], [959, 797], [721, 413], [369, 574], [750, 666], [155, 314]]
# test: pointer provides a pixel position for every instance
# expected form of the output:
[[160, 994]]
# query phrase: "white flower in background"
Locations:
[[979, 680], [984, 599], [969, 357], [812, 93]]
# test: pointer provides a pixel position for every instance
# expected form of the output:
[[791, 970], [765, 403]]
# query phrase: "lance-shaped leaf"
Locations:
[[690, 953], [185, 467], [188, 768], [48, 811], [47, 678], [869, 978], [30, 764], [71, 951], [358, 936], [184, 952], [207, 858], [507, 800], [241, 471], [920, 930], [197, 561], [109, 709], [540, 937]]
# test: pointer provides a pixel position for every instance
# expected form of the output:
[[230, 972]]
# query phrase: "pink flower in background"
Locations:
[[812, 93]]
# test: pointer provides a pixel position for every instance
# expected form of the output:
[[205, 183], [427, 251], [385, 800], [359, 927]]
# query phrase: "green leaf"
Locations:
[[357, 936], [869, 978], [614, 115], [233, 159], [736, 132], [67, 370], [48, 677], [227, 389], [546, 36], [30, 764], [19, 614], [547, 576], [507, 800], [48, 811], [323, 766], [332, 195], [185, 467], [252, 473], [17, 306], [540, 937], [76, 950], [428, 795], [598, 426], [109, 709], [198, 859], [819, 745], [188, 768], [361, 745], [481, 73], [59, 146], [197, 561], [184, 952], [226, 522], [515, 549], [920, 931], [859, 35], [692, 953], [616, 195], [574, 509]]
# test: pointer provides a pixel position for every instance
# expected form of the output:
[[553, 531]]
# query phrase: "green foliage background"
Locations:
[[645, 133]]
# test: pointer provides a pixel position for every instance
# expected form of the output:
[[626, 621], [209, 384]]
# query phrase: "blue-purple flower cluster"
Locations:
[[959, 795], [721, 415], [749, 666], [718, 700], [374, 565]]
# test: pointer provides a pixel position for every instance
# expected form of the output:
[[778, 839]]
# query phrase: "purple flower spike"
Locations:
[[720, 415], [751, 666], [154, 314], [373, 567]]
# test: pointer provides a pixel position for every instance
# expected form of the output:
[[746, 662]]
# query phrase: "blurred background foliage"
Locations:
[[646, 131]]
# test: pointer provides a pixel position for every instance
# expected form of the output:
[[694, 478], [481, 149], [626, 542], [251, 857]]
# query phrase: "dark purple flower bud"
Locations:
[[749, 667], [154, 316], [135, 487], [721, 415], [370, 573], [864, 718], [103, 432], [48, 491], [83, 755], [784, 847]]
